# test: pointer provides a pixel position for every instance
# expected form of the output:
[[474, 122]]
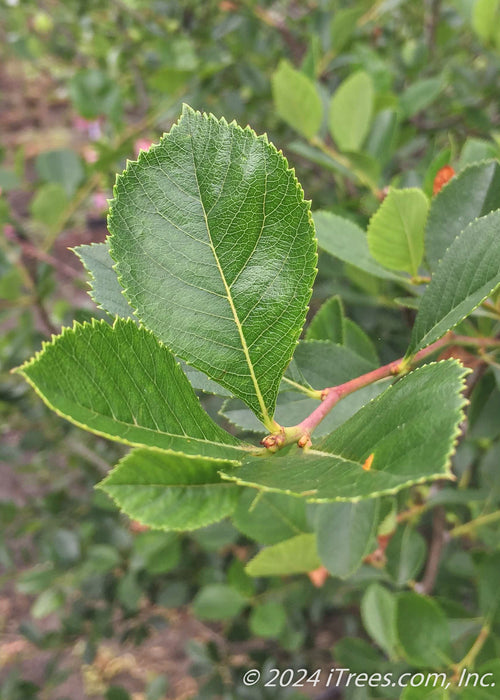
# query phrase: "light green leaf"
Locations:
[[297, 100], [294, 556], [48, 205], [217, 601], [391, 427], [351, 111], [121, 383], [268, 620], [396, 230], [346, 533], [472, 193], [422, 630], [405, 555], [468, 273], [105, 289], [216, 252], [345, 240], [170, 491], [420, 95], [269, 518], [485, 17], [328, 322], [378, 612]]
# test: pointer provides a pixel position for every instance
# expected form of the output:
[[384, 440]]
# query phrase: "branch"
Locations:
[[301, 433]]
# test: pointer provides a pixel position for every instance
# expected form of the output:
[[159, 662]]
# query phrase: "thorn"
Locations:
[[368, 462]]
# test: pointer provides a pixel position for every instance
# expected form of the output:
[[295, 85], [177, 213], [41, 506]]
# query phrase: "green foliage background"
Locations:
[[360, 96]]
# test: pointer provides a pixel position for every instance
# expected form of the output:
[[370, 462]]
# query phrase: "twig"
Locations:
[[301, 432], [438, 540]]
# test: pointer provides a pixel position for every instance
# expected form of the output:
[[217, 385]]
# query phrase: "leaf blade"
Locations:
[[224, 302], [467, 274], [139, 397], [170, 491], [396, 230]]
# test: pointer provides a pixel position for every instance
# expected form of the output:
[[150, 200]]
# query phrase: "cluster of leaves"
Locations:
[[393, 93]]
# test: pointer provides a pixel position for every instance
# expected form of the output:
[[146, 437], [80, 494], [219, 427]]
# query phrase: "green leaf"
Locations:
[[468, 273], [170, 491], [48, 205], [472, 193], [351, 111], [119, 382], [487, 687], [94, 93], [297, 555], [216, 252], [405, 555], [422, 630], [345, 240], [391, 427], [328, 322], [343, 26], [346, 533], [63, 167], [105, 289], [269, 518], [47, 603], [378, 612], [475, 150], [218, 602], [268, 620], [297, 100], [420, 95], [485, 16], [382, 137], [357, 341], [396, 230]]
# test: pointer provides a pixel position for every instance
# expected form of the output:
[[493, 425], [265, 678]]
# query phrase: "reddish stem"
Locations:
[[333, 394]]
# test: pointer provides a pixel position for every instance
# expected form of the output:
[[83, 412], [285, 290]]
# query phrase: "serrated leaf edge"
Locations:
[[423, 343], [186, 109], [91, 290], [103, 486], [93, 323], [445, 474]]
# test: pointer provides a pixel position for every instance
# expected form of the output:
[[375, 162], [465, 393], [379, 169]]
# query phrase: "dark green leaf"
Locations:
[[422, 630], [472, 193], [467, 274], [120, 382], [216, 251]]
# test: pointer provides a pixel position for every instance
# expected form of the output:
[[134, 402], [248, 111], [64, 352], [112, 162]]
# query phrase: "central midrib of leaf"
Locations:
[[230, 299]]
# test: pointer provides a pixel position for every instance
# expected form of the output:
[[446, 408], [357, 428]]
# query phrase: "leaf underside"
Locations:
[[410, 445], [215, 249], [170, 491], [105, 289]]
